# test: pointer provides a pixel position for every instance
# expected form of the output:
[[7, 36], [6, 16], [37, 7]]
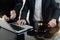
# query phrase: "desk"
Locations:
[[6, 34]]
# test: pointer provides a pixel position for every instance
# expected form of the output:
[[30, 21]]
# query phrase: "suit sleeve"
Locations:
[[56, 10], [25, 10], [17, 7]]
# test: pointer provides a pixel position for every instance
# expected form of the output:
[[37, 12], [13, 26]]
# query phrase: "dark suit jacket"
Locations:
[[50, 9], [7, 5]]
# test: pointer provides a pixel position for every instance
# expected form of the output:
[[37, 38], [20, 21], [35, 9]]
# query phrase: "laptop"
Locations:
[[14, 27]]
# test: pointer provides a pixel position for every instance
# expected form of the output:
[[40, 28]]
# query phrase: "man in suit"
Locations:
[[40, 10], [9, 10]]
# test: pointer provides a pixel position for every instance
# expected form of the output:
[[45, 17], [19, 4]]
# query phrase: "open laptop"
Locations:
[[14, 27]]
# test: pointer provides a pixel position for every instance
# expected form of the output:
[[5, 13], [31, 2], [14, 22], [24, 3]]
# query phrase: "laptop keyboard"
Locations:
[[15, 27]]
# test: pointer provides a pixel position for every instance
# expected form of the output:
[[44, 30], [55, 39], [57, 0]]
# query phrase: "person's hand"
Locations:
[[4, 17], [21, 22], [12, 14], [52, 23]]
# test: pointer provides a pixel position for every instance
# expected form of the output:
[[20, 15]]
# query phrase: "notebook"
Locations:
[[14, 27]]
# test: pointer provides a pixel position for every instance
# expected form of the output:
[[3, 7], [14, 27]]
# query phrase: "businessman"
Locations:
[[40, 10]]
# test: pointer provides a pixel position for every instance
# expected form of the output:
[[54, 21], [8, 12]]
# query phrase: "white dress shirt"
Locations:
[[38, 10]]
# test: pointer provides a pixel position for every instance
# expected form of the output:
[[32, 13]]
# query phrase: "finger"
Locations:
[[52, 24], [13, 14], [48, 25], [24, 23], [12, 17], [7, 19], [19, 22]]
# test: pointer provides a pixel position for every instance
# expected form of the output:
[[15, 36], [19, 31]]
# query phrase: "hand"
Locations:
[[21, 22], [4, 17], [52, 23], [12, 14]]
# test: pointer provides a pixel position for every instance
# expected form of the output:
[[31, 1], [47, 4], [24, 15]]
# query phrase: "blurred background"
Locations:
[[6, 35]]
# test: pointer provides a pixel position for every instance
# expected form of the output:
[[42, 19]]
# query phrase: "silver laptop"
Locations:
[[14, 27]]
